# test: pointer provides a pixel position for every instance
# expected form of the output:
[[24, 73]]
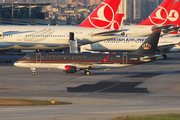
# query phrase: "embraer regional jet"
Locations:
[[57, 37], [74, 62]]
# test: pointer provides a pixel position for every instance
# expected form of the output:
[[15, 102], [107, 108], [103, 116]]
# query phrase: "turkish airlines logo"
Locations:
[[160, 16], [173, 15], [115, 25], [104, 16]]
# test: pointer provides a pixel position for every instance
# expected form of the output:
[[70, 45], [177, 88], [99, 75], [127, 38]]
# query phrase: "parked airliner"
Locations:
[[128, 44], [57, 37], [74, 62], [166, 14]]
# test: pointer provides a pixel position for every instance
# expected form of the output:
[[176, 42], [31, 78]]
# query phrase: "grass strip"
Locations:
[[151, 117], [24, 102]]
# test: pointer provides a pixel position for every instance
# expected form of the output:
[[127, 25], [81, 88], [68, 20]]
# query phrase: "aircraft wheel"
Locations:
[[86, 72], [164, 56], [33, 73]]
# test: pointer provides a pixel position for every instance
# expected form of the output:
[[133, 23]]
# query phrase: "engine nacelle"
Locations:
[[71, 69]]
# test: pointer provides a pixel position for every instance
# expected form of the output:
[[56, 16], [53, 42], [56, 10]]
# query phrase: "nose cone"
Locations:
[[16, 64]]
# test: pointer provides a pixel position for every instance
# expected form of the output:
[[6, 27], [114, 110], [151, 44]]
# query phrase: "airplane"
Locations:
[[74, 62], [129, 44], [126, 44], [166, 14], [57, 37]]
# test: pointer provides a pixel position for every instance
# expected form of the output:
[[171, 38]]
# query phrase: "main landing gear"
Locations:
[[86, 72], [33, 71], [164, 56]]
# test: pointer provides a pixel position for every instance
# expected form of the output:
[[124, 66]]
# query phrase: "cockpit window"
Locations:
[[26, 57]]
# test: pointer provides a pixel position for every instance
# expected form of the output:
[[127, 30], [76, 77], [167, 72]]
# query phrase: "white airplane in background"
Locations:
[[128, 44], [57, 37], [165, 14]]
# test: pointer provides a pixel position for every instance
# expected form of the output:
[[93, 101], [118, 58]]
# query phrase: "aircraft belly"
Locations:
[[5, 45]]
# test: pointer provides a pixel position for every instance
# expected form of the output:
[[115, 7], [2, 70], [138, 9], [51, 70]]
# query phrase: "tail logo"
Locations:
[[100, 19], [146, 46], [173, 15], [159, 16], [115, 25]]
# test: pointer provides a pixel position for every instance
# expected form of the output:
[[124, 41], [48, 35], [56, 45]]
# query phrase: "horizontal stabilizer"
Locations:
[[170, 30], [164, 27], [109, 32]]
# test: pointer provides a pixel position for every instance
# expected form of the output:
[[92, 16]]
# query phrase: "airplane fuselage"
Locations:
[[59, 60], [46, 37], [123, 44]]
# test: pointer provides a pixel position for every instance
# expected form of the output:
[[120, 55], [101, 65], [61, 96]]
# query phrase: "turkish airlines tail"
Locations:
[[160, 15], [174, 18], [103, 16], [117, 22]]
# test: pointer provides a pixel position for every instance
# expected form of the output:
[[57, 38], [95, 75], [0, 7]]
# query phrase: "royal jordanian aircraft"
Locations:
[[57, 37], [165, 14], [74, 62]]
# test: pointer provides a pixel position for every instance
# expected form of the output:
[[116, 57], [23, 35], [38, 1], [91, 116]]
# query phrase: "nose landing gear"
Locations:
[[33, 71], [86, 72]]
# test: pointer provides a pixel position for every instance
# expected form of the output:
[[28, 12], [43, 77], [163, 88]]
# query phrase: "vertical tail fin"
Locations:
[[117, 22], [103, 15], [174, 16], [160, 15], [150, 44]]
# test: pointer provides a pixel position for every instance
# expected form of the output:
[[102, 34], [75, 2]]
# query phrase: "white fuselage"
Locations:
[[129, 44], [46, 37], [137, 30]]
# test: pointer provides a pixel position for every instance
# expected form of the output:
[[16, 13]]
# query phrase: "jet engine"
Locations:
[[71, 69]]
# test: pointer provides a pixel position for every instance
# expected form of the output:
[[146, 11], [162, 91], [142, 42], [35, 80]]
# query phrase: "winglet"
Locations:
[[105, 59], [150, 45]]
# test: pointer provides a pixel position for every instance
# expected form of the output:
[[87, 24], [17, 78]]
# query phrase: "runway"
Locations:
[[141, 89]]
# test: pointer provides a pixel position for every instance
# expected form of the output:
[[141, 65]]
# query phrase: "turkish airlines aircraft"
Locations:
[[127, 44], [57, 37], [71, 62], [166, 14]]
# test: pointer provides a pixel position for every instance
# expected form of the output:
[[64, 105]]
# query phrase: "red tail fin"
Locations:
[[160, 15], [103, 16], [174, 16], [117, 22]]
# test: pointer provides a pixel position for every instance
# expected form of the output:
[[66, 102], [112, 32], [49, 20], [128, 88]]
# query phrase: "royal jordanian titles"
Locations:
[[74, 62], [57, 37]]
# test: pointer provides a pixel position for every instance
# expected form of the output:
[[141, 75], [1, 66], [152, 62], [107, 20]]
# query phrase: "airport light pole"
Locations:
[[76, 4], [12, 11], [30, 11], [51, 12]]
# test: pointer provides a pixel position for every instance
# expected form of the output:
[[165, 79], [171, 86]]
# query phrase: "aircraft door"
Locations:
[[38, 58], [125, 59]]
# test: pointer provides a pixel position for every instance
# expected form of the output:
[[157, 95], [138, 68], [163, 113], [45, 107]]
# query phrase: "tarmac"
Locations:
[[150, 88]]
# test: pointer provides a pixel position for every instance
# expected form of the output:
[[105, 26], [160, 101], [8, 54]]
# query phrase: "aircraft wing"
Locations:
[[109, 32], [166, 47]]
